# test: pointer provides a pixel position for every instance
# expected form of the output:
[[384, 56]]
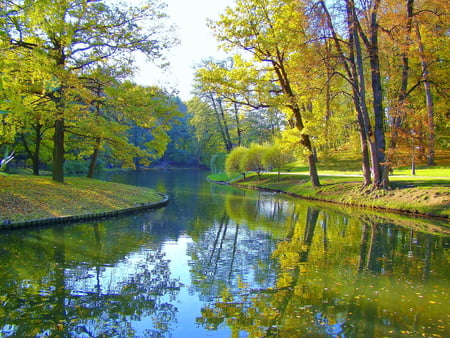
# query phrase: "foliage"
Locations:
[[183, 146], [253, 159], [52, 52], [275, 156], [373, 68], [218, 163], [234, 161]]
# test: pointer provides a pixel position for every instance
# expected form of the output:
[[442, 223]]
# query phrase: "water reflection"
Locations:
[[219, 261]]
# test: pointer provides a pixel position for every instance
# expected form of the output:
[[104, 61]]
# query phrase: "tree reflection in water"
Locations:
[[101, 297], [317, 280], [260, 265]]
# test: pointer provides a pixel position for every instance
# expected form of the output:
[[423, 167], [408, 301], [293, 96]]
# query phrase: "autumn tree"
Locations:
[[274, 34]]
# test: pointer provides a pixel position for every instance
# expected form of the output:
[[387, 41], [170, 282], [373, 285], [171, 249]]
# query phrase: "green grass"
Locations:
[[426, 195], [26, 197]]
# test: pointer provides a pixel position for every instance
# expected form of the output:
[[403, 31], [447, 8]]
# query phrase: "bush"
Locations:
[[233, 162]]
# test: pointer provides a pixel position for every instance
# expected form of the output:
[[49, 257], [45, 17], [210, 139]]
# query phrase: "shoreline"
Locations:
[[28, 201], [85, 217], [347, 198]]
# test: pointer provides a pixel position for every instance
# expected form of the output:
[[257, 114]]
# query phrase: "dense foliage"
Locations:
[[341, 73], [63, 92], [310, 77]]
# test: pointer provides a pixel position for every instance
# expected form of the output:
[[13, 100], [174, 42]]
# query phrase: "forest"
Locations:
[[305, 79]]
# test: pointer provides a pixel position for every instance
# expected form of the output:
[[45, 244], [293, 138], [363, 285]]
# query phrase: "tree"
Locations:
[[234, 162], [274, 33], [276, 156], [147, 113], [253, 159], [206, 129], [74, 35]]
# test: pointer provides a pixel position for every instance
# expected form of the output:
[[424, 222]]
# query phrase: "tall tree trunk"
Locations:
[[94, 158], [382, 177], [359, 95], [400, 112], [37, 151], [364, 112], [34, 154], [298, 121], [217, 109], [238, 124], [225, 126], [428, 99], [350, 66]]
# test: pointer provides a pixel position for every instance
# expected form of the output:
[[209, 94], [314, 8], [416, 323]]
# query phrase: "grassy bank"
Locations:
[[25, 197], [420, 195]]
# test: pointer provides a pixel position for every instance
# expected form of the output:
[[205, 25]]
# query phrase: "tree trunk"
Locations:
[[298, 122], [400, 113], [428, 99], [58, 151], [381, 179], [35, 158], [94, 158], [238, 124], [359, 95], [363, 117], [216, 109], [358, 90]]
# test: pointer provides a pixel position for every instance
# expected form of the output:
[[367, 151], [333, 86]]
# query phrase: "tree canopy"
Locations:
[[53, 53]]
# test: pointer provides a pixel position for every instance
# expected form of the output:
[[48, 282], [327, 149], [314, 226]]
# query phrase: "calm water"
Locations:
[[224, 262]]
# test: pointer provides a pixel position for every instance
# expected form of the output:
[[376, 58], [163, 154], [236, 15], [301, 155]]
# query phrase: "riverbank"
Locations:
[[416, 195], [25, 198]]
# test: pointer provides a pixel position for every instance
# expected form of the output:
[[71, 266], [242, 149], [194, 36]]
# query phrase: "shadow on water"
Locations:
[[220, 261]]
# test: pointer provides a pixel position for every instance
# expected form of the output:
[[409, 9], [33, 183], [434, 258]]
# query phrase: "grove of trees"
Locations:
[[63, 88], [327, 72], [310, 77]]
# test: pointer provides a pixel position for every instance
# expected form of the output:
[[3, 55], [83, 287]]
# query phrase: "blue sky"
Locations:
[[197, 43]]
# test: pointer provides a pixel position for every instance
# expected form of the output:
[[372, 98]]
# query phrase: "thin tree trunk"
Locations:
[[225, 126], [94, 158], [359, 95], [428, 99], [36, 155], [298, 122], [238, 124], [400, 113], [216, 109], [350, 67], [364, 113], [58, 151]]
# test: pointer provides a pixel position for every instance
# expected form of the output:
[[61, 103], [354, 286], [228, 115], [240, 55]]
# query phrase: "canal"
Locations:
[[218, 261]]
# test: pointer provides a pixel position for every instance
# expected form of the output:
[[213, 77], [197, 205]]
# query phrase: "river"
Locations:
[[218, 261]]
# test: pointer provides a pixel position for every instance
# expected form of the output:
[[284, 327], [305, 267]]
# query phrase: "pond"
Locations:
[[225, 262]]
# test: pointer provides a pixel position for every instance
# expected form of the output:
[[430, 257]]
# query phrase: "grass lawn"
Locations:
[[25, 197], [428, 192]]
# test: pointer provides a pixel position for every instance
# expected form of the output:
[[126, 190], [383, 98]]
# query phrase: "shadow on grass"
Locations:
[[420, 183]]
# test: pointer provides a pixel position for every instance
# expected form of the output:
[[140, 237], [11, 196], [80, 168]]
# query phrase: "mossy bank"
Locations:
[[25, 198]]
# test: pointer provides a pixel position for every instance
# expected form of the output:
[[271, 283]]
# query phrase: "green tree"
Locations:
[[234, 162], [206, 130], [276, 156], [74, 35], [274, 33], [253, 159]]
